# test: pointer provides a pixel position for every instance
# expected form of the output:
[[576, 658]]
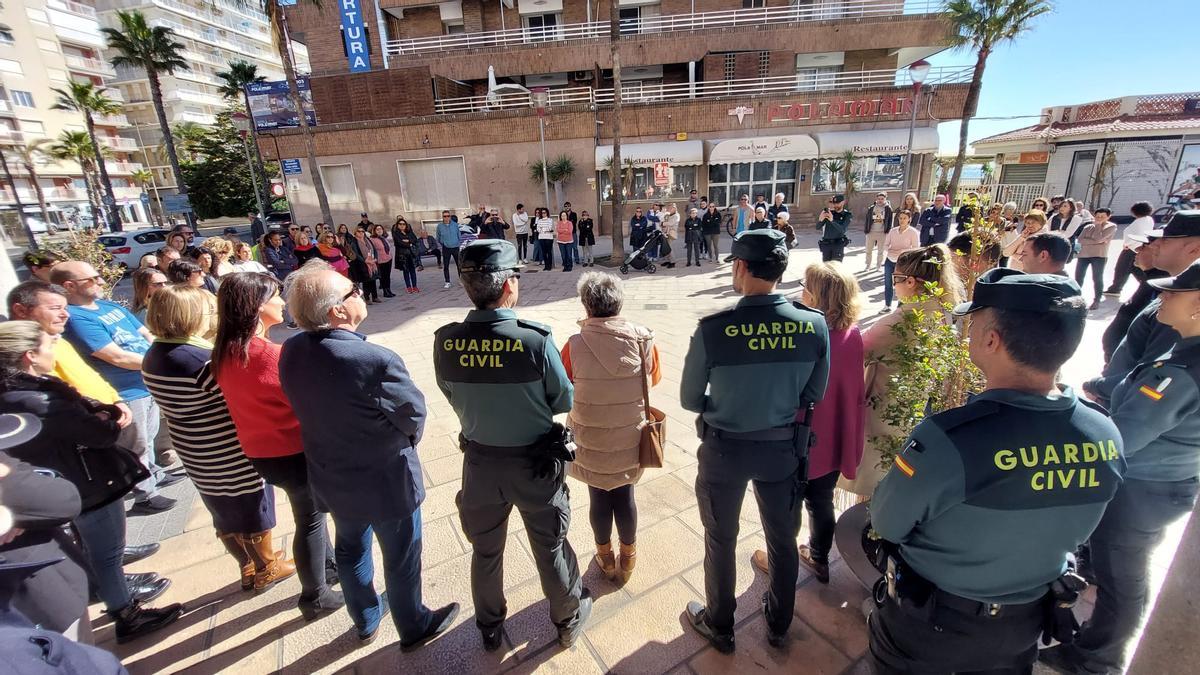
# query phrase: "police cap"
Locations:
[[1182, 224], [17, 429], [1187, 280], [1006, 288], [488, 255], [756, 245]]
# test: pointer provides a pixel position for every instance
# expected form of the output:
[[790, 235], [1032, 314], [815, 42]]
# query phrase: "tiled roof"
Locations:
[[1050, 132]]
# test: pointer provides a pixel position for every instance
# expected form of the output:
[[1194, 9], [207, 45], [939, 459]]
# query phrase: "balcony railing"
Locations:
[[111, 120], [828, 11], [89, 65], [72, 7], [122, 167], [864, 79], [119, 143], [257, 30]]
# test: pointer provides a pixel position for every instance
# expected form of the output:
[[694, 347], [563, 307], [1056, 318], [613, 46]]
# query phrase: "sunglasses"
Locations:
[[899, 278], [355, 292]]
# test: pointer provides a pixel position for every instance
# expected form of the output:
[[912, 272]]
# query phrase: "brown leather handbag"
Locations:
[[654, 428]]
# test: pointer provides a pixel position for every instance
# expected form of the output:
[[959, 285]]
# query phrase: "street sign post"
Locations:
[[277, 188], [291, 167]]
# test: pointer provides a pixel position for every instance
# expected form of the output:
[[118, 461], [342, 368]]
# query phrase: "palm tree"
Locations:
[[981, 26], [154, 50], [237, 78], [77, 146], [88, 99], [26, 155], [21, 215], [274, 11], [142, 178], [188, 135], [558, 171], [618, 193]]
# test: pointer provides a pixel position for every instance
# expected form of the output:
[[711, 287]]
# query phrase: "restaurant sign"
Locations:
[[899, 106]]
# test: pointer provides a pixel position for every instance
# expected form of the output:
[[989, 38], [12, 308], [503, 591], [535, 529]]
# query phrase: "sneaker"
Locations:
[[493, 638], [440, 623], [323, 604], [416, 290], [697, 616], [366, 637], [447, 285], [169, 479], [156, 504], [567, 638]]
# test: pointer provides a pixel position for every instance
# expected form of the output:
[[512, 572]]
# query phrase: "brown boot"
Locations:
[[269, 565], [233, 544], [628, 561], [607, 561]]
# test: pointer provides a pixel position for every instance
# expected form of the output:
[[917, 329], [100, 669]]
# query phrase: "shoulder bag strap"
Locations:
[[645, 380]]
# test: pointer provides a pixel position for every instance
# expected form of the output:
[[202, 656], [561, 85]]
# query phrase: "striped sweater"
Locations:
[[202, 432]]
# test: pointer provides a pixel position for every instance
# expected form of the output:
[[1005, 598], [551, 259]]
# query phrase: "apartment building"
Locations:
[[44, 44], [214, 33], [424, 105]]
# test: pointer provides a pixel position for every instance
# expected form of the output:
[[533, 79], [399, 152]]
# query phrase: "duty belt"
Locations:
[[784, 433], [497, 451], [903, 585]]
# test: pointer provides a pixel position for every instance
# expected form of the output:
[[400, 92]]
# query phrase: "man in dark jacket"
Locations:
[[257, 229], [876, 225], [777, 208], [494, 226], [361, 418], [935, 222], [834, 223]]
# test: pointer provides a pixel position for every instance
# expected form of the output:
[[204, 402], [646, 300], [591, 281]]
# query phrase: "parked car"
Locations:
[[278, 221], [127, 248]]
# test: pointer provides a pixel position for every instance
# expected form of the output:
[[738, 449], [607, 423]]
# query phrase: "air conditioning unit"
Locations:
[[582, 76]]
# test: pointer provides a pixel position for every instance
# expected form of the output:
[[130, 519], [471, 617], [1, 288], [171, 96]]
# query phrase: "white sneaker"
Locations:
[[447, 285]]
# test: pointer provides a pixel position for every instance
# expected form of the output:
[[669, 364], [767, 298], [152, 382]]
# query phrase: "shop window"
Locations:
[[869, 173], [433, 184], [339, 182], [681, 181], [727, 182]]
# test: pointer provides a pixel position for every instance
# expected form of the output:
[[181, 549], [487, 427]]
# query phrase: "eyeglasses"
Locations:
[[355, 292], [899, 278]]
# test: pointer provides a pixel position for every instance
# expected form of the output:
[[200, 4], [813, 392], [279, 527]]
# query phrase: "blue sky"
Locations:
[[1085, 50]]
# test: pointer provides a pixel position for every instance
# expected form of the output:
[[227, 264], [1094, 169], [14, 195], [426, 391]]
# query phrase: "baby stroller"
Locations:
[[639, 259]]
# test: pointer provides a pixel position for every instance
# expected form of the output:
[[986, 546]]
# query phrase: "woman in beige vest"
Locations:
[[605, 361]]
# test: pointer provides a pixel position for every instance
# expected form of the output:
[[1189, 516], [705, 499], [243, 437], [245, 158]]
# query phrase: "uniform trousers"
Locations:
[[1124, 267], [945, 640], [832, 249], [491, 487], [726, 467], [1121, 547], [400, 542]]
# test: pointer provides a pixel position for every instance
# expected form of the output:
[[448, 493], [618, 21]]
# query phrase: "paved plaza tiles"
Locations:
[[637, 628]]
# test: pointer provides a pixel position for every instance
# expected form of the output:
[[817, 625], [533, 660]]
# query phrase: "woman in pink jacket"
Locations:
[[839, 418], [607, 361]]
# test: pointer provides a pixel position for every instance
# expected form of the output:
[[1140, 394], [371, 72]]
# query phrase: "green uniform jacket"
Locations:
[[503, 376], [748, 368], [987, 500], [836, 228], [1156, 408]]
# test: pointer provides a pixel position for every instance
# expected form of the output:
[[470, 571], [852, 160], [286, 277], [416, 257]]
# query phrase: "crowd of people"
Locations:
[[188, 373]]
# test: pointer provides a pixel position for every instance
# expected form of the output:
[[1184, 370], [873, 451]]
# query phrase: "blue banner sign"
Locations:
[[354, 33], [272, 108], [291, 167], [888, 159]]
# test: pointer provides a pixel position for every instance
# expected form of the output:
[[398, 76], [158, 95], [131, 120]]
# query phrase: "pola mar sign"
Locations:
[[354, 34], [892, 106]]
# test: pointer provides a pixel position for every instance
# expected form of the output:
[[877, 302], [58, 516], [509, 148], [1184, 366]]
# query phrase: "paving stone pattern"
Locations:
[[638, 628]]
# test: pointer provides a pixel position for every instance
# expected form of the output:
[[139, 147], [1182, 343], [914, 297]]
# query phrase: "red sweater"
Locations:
[[266, 425]]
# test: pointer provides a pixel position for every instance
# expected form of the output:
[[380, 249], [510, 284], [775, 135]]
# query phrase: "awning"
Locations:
[[762, 148], [876, 142], [677, 153]]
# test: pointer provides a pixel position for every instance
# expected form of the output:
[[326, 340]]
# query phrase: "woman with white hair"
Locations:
[[607, 362], [782, 224]]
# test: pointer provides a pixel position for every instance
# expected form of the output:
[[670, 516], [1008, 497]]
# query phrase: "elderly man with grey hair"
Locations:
[[361, 418]]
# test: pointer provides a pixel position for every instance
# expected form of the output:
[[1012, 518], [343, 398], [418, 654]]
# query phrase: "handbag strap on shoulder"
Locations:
[[645, 378]]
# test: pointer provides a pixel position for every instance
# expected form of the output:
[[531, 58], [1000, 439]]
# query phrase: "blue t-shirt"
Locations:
[[91, 330]]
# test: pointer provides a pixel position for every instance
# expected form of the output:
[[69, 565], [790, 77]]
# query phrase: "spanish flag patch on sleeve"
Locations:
[[1154, 393], [904, 466]]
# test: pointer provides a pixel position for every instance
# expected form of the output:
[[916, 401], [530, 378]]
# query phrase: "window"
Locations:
[[6, 36], [869, 173], [33, 127], [764, 63], [631, 18], [753, 4], [150, 237], [680, 182], [454, 28], [22, 98], [727, 182], [812, 79], [339, 182], [542, 27], [433, 184], [730, 66], [47, 45], [10, 66]]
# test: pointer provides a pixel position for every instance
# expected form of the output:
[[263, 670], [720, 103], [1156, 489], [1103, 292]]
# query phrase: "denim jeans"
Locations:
[[575, 251], [139, 437], [449, 254], [400, 541], [546, 246], [522, 246], [102, 531], [565, 250], [889, 268], [408, 265]]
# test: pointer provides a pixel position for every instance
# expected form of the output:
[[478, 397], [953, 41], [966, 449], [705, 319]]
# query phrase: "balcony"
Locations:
[[118, 143], [86, 65], [855, 80], [11, 136], [111, 120], [120, 167], [5, 108], [704, 21], [196, 76], [198, 118], [199, 97], [252, 29], [75, 8]]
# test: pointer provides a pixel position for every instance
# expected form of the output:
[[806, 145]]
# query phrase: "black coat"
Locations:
[[710, 223], [408, 246], [493, 229], [53, 597], [587, 232], [75, 440], [870, 220]]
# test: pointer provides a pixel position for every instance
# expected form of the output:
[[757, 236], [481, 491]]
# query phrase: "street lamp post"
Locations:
[[917, 71], [242, 122], [541, 98]]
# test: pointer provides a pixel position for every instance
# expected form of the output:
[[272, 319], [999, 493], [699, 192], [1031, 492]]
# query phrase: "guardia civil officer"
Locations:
[[506, 381], [747, 372], [1157, 409], [986, 502]]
